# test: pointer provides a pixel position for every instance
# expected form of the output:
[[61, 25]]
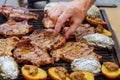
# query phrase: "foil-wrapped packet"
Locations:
[[99, 40], [86, 64], [8, 68], [94, 11]]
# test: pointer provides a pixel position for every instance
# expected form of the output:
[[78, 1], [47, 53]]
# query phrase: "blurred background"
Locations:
[[105, 3]]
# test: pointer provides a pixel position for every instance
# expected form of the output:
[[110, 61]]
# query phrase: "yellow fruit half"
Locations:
[[54, 75], [109, 74], [40, 75]]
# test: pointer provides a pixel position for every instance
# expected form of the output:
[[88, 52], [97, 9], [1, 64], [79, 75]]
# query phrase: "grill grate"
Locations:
[[108, 55]]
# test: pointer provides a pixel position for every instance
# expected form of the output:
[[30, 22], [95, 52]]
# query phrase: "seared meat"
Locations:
[[7, 45], [12, 28], [19, 13], [74, 50], [8, 68], [47, 22], [25, 52], [46, 39], [82, 30]]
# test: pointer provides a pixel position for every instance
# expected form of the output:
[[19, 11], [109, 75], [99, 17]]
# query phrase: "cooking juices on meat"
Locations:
[[28, 53]]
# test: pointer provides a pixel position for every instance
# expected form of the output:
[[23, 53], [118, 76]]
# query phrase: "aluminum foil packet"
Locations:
[[99, 40]]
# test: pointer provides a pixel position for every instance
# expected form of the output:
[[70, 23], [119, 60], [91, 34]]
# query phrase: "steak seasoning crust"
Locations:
[[46, 39], [26, 52], [74, 50]]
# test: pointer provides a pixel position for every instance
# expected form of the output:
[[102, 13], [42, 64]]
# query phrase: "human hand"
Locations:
[[74, 12]]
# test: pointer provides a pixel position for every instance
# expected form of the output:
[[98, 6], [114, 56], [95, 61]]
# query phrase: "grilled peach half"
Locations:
[[78, 75], [31, 72], [111, 70], [58, 73]]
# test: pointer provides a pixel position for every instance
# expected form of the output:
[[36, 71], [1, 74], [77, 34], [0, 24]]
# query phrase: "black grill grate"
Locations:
[[108, 55], [37, 24]]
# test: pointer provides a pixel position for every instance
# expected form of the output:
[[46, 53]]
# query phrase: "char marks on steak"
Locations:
[[19, 13], [7, 45], [25, 52], [74, 50], [82, 30], [13, 28], [46, 39]]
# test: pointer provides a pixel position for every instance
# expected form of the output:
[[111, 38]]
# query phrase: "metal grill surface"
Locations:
[[108, 55]]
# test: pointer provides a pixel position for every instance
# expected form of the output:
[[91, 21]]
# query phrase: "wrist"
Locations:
[[87, 3]]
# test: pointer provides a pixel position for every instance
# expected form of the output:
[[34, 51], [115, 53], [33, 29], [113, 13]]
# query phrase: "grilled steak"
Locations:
[[19, 13], [82, 30], [25, 52], [47, 22], [7, 45], [46, 39], [13, 28], [74, 50]]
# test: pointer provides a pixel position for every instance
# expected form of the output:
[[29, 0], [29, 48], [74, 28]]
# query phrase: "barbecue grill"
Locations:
[[35, 3], [108, 55]]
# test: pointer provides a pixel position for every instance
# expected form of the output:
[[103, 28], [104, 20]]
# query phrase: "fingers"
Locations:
[[60, 21], [54, 16], [50, 11], [71, 29]]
